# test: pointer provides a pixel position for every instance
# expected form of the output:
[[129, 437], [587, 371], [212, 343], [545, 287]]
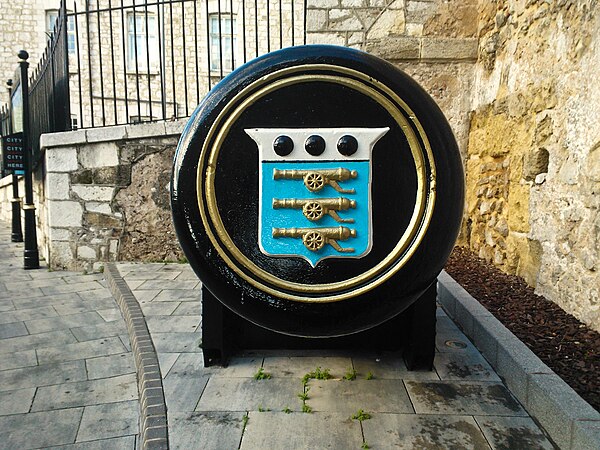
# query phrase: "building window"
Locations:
[[51, 18], [222, 42], [142, 42]]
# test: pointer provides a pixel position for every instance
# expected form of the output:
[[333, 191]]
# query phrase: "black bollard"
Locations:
[[31, 254]]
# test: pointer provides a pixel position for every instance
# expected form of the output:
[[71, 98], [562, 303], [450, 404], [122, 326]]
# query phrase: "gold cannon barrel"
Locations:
[[316, 179], [338, 204], [339, 174], [341, 233], [315, 208], [315, 239]]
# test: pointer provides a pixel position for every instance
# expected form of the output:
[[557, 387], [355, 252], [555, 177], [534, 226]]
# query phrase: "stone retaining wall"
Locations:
[[533, 158], [107, 193]]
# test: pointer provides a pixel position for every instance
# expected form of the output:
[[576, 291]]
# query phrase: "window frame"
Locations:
[[217, 41], [130, 51], [51, 18]]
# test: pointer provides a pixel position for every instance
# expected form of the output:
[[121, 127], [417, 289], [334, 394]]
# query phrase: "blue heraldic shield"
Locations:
[[315, 191]]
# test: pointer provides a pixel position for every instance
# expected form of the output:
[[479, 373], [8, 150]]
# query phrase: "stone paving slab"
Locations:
[[120, 443], [469, 366], [166, 362], [39, 430], [44, 375], [418, 431], [18, 360], [72, 287], [88, 349], [177, 342], [109, 420], [347, 397], [182, 392], [298, 366], [206, 431], [301, 431], [101, 330], [243, 394], [513, 432], [187, 309], [21, 315], [86, 393], [60, 323], [110, 366], [6, 305], [16, 402], [13, 329], [388, 365], [166, 324], [32, 342], [471, 398]]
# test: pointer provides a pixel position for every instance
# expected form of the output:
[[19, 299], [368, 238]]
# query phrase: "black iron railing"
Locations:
[[152, 60], [49, 96], [112, 62]]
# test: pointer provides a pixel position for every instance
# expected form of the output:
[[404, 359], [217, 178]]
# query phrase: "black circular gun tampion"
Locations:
[[325, 239]]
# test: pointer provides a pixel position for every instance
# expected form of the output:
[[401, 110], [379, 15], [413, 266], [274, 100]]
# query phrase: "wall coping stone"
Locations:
[[113, 133], [570, 421]]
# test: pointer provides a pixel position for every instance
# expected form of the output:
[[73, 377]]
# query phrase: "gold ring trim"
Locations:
[[417, 225]]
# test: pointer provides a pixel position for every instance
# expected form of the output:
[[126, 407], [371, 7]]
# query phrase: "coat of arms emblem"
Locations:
[[315, 191]]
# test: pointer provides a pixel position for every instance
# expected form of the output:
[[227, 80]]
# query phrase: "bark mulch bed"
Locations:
[[565, 345]]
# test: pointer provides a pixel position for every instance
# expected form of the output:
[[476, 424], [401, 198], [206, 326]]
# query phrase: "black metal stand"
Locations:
[[420, 331], [31, 255], [224, 332], [17, 233]]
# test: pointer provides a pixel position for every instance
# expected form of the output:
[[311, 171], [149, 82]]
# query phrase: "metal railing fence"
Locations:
[[113, 62], [49, 96], [149, 60]]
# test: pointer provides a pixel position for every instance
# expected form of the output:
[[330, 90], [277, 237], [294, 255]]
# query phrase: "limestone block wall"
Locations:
[[533, 165], [434, 41], [107, 195]]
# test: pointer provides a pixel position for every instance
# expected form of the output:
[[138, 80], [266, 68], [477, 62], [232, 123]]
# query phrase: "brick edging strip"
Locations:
[[153, 423], [569, 420]]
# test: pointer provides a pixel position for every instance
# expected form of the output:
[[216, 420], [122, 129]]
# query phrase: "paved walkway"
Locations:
[[67, 377]]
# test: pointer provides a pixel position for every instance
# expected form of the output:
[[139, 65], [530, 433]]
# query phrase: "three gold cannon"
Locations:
[[314, 239]]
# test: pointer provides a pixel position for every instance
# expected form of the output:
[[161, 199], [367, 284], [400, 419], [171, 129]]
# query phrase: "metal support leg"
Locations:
[[31, 254], [215, 324], [420, 343]]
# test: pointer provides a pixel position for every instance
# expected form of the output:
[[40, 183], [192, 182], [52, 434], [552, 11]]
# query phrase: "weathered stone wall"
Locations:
[[107, 192], [434, 41], [533, 167]]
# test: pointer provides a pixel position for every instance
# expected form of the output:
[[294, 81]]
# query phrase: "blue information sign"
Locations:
[[13, 153]]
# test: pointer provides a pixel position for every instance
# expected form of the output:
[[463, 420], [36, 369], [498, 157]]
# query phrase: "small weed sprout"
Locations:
[[370, 376], [245, 419], [286, 410], [262, 375], [361, 415], [365, 446], [317, 374], [350, 374], [304, 395]]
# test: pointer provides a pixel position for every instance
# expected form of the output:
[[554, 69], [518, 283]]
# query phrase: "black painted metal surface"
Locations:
[[339, 88]]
